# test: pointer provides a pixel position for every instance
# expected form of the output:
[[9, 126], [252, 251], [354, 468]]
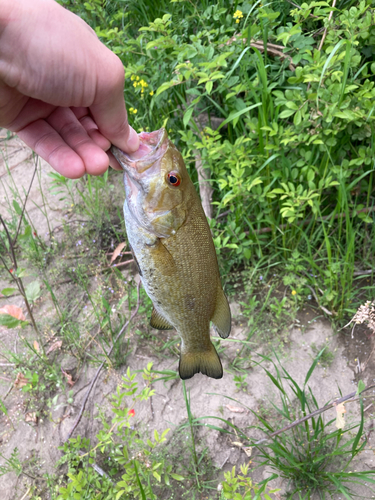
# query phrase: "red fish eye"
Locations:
[[174, 179]]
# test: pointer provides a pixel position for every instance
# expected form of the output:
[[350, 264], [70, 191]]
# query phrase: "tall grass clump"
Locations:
[[315, 456]]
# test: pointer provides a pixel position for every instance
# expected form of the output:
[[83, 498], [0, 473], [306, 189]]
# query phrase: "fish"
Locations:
[[173, 249]]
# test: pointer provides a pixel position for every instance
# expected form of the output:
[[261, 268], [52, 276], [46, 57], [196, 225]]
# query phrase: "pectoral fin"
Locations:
[[206, 362], [222, 318], [159, 322]]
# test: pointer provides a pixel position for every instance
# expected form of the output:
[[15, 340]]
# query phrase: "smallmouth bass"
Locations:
[[173, 248]]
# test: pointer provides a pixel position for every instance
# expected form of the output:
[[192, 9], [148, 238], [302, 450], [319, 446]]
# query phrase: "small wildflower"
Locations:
[[132, 78], [237, 16], [131, 413], [137, 78], [294, 292], [134, 84], [152, 92]]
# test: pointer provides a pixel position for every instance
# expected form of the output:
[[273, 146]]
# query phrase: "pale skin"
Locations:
[[61, 89]]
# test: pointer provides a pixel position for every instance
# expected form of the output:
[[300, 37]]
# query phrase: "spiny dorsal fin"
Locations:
[[222, 317], [159, 322], [206, 362]]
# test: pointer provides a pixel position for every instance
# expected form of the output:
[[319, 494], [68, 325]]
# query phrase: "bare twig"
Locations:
[[317, 301], [25, 495], [24, 203], [17, 280], [326, 29], [314, 413], [78, 419], [205, 187]]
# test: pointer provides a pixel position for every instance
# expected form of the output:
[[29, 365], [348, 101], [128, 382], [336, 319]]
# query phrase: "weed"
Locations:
[[11, 464], [327, 355], [311, 456], [240, 381], [128, 467]]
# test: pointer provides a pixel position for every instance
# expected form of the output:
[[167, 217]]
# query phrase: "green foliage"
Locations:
[[130, 467], [11, 464], [287, 134], [240, 486], [312, 456]]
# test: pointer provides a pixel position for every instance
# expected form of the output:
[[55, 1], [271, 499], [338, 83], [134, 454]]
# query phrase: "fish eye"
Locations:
[[174, 179]]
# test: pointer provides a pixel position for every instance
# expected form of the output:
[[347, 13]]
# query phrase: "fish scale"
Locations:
[[172, 245]]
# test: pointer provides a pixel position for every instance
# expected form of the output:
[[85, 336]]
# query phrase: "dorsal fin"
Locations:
[[159, 322], [222, 318]]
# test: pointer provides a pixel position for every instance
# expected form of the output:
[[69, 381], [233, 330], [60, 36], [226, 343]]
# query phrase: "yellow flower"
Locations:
[[152, 92], [134, 84], [132, 77], [237, 15], [137, 77], [135, 111], [132, 110], [294, 292]]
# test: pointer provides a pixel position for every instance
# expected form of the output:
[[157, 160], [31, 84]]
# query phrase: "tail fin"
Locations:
[[206, 362]]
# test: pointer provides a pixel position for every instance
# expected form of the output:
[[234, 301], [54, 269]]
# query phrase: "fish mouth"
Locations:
[[153, 146]]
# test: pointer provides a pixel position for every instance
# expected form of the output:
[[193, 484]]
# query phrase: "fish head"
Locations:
[[157, 184]]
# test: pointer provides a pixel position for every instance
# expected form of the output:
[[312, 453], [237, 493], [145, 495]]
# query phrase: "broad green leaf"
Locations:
[[9, 321], [177, 477], [187, 116], [16, 207], [8, 291], [286, 113], [33, 291]]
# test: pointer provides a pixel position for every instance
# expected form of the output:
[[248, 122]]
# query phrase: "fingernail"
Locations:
[[133, 141]]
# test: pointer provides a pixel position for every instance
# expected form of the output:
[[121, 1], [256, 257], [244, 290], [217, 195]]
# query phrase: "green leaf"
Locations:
[[291, 105], [157, 476], [187, 116], [286, 113], [8, 291], [9, 321], [16, 207], [177, 477], [33, 291], [361, 386], [209, 87], [297, 118]]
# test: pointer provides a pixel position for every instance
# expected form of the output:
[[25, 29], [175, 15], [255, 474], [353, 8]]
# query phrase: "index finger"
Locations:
[[108, 108]]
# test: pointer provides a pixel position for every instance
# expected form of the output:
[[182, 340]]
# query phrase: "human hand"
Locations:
[[61, 89]]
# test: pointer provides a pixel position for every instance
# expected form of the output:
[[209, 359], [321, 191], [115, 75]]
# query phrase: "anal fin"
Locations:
[[206, 362], [159, 322], [222, 317]]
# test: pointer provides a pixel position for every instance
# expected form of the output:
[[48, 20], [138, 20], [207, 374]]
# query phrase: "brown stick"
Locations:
[[24, 204], [78, 419], [205, 187], [314, 413], [326, 29]]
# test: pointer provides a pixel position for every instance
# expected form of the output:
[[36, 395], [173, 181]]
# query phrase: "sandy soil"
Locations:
[[353, 359]]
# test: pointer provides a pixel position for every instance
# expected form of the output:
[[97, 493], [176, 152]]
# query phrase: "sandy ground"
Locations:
[[354, 359]]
